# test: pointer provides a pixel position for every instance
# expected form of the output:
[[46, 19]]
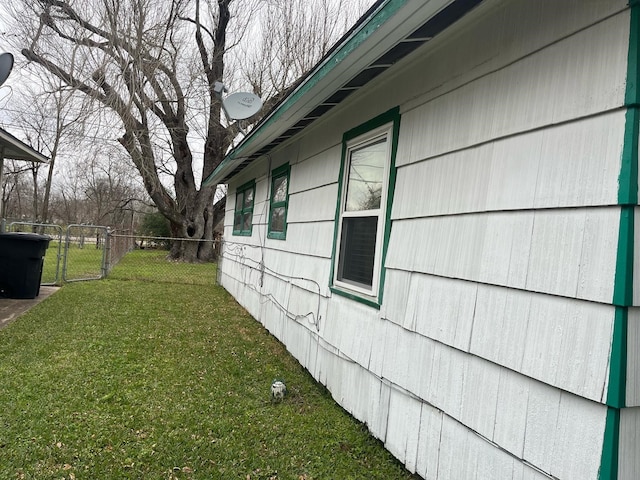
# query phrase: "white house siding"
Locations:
[[568, 165], [633, 352], [629, 467], [489, 357]]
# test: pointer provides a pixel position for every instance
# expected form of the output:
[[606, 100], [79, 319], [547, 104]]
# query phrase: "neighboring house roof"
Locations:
[[11, 147], [389, 31]]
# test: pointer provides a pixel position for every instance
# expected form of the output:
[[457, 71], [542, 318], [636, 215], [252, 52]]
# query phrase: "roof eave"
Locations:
[[320, 73], [12, 148], [384, 28]]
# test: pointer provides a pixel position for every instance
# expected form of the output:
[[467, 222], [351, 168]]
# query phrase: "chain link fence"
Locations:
[[147, 258], [89, 252], [121, 242]]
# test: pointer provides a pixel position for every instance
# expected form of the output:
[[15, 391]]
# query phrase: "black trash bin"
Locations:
[[21, 260]]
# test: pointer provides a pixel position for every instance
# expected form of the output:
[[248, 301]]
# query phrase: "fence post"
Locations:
[[219, 267], [107, 253]]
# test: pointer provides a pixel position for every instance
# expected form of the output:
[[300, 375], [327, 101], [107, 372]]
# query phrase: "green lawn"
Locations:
[[121, 378], [152, 266]]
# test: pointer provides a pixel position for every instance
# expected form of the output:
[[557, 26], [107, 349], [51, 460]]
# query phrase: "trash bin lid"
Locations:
[[24, 236]]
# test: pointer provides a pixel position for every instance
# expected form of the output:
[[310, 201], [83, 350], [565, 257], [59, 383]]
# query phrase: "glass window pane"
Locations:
[[239, 200], [358, 249], [237, 222], [366, 176], [248, 198], [247, 221], [277, 220], [279, 189]]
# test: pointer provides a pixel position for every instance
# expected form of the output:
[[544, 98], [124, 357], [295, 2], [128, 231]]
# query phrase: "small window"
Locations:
[[362, 213], [366, 182], [279, 203], [243, 213]]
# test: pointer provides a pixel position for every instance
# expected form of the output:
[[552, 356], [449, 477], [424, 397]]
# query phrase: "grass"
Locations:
[[85, 262], [152, 266], [126, 379]]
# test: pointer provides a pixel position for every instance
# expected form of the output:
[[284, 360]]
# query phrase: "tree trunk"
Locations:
[[198, 231]]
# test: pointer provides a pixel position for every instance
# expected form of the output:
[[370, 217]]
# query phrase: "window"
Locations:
[[243, 214], [279, 202], [362, 225]]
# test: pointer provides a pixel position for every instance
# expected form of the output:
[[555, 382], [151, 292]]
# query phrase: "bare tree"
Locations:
[[293, 35], [98, 185], [50, 121], [109, 191], [16, 191], [64, 122], [151, 68], [67, 201]]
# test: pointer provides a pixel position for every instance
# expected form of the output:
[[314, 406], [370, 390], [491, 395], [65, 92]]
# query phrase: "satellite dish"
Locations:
[[6, 64], [241, 105]]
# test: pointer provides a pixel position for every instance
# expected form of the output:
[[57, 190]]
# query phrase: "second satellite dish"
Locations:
[[241, 105], [6, 64]]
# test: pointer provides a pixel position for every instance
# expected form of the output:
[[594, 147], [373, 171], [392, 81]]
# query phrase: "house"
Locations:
[[439, 224]]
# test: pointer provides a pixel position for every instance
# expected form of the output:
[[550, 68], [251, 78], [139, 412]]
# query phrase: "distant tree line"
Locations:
[[98, 195]]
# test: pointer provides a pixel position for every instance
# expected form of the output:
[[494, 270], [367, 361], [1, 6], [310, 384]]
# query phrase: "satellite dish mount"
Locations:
[[238, 106], [6, 64]]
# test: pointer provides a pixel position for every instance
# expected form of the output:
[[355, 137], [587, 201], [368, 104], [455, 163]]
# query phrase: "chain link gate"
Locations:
[[86, 253]]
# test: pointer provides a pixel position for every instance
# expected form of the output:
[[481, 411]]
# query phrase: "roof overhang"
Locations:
[[388, 32], [11, 147]]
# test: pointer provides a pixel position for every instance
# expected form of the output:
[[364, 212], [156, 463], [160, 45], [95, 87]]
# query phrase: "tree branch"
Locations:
[[63, 75]]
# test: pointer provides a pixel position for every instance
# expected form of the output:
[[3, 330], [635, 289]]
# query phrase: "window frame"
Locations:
[[384, 126], [283, 171], [242, 190]]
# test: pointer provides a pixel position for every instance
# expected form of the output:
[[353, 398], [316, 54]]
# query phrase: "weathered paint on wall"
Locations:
[[633, 349], [629, 430]]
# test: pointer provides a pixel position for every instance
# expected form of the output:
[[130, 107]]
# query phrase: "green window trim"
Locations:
[[279, 203], [623, 282], [375, 298], [243, 211]]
